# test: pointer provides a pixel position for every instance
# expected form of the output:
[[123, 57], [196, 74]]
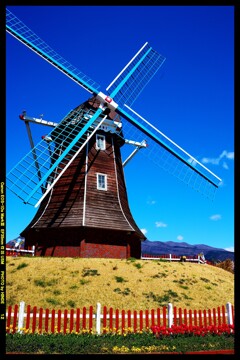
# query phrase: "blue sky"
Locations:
[[191, 100]]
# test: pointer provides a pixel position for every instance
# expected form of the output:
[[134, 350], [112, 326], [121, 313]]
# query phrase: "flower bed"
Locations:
[[178, 339], [192, 330]]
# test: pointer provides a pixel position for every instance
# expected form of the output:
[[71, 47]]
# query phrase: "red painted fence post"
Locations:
[[164, 316], [195, 317], [40, 320], [34, 320], [180, 316], [53, 321], [65, 321], [214, 317], [90, 318], [219, 315], [15, 313], [205, 317], [9, 318], [200, 317], [123, 321], [190, 317], [135, 321], [233, 315], [78, 320], [209, 317], [84, 320], [117, 320], [71, 320], [104, 319], [147, 319], [175, 315], [152, 317], [158, 317], [111, 319], [59, 320], [129, 319], [186, 322], [46, 320], [141, 320]]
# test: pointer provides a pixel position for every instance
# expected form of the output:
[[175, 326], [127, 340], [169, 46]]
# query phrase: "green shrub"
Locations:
[[159, 275], [43, 283], [89, 272], [21, 266], [56, 292], [126, 291], [120, 279], [84, 281], [71, 303], [164, 299], [138, 265], [52, 301], [184, 287], [72, 287]]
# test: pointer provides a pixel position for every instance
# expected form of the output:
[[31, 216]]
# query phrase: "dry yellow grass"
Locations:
[[59, 283]]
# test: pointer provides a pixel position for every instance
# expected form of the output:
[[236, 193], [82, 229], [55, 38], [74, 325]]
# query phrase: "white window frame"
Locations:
[[102, 140], [104, 182]]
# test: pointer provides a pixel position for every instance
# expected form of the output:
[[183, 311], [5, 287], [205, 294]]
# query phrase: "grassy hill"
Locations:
[[59, 283]]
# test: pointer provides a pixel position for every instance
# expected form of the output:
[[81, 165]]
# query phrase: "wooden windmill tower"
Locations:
[[75, 174], [87, 213]]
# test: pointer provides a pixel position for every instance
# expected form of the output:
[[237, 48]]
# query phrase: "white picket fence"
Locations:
[[170, 257]]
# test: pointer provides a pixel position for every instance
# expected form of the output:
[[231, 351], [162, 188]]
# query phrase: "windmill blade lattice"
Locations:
[[21, 32], [169, 156], [52, 158], [135, 76]]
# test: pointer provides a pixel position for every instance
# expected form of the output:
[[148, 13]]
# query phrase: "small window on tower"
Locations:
[[101, 182], [100, 142]]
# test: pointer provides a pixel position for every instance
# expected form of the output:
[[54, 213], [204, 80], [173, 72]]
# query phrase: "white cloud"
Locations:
[[215, 217], [180, 237], [229, 155], [151, 202], [144, 231], [160, 224], [230, 249]]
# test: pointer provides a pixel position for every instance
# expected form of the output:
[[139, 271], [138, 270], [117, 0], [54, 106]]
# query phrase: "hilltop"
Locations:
[[58, 283]]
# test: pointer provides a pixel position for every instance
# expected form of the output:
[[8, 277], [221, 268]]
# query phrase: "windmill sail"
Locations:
[[135, 75], [72, 134], [21, 32], [68, 138], [168, 155]]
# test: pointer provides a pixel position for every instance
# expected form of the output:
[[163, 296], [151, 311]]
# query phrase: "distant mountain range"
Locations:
[[167, 247], [182, 248]]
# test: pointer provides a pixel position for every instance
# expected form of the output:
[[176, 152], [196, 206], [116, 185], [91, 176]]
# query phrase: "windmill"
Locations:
[[75, 176]]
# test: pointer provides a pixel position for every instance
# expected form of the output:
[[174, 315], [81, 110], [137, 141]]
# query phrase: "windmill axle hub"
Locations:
[[107, 101]]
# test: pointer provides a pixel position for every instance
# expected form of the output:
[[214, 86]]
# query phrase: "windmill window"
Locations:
[[100, 142], [101, 182]]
